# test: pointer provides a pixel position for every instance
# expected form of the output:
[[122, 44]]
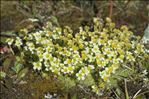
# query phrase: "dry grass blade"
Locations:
[[126, 91], [136, 94]]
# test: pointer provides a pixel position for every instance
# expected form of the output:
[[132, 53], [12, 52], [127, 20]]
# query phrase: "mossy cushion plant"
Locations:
[[96, 51]]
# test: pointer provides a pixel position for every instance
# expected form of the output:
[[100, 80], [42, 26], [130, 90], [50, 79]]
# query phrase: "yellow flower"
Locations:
[[37, 65], [105, 78], [140, 48], [9, 41], [75, 48], [102, 85], [49, 33], [103, 35], [47, 56], [84, 55], [109, 70], [68, 61], [95, 89], [124, 28], [99, 62], [18, 42], [108, 20], [81, 46]]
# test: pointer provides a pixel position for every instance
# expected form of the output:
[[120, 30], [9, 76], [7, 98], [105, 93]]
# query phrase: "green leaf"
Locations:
[[69, 83], [113, 82], [22, 73], [123, 72], [17, 67], [88, 81], [74, 96], [118, 92], [45, 75], [7, 63], [2, 74]]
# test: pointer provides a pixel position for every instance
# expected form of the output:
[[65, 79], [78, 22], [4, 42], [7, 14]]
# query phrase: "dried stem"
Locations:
[[110, 9]]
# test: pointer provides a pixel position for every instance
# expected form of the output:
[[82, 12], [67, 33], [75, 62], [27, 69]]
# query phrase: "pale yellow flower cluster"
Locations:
[[100, 49]]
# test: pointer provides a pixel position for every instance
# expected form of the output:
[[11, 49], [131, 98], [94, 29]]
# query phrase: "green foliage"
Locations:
[[2, 74], [17, 67], [21, 74], [68, 82]]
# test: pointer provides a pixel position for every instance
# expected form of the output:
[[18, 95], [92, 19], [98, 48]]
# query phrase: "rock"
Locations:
[[145, 38], [146, 35]]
